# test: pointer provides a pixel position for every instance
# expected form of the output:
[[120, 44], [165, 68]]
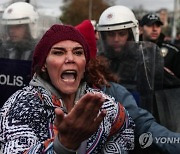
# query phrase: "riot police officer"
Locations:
[[118, 29], [151, 27], [20, 32], [21, 26], [20, 23], [118, 26]]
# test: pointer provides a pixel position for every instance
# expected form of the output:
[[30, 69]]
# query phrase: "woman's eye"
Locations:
[[55, 52], [79, 52]]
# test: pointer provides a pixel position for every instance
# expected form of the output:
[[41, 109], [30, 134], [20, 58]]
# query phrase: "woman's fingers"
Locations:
[[82, 121], [59, 116], [87, 112], [99, 118], [88, 105]]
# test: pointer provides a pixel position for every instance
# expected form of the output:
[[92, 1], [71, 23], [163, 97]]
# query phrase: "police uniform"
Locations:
[[171, 55], [22, 50], [167, 50]]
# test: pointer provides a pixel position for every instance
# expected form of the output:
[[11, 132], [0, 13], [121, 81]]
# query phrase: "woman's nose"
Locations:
[[69, 58]]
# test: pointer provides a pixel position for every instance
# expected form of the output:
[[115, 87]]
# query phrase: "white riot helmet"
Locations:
[[118, 17], [21, 13]]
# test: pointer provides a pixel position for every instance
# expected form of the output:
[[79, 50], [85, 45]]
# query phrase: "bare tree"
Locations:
[[74, 11]]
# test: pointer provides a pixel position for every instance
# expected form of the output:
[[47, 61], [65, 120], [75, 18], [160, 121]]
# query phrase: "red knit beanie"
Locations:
[[87, 30], [54, 35]]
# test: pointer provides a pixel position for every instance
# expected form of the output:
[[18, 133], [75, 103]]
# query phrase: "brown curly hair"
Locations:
[[99, 73]]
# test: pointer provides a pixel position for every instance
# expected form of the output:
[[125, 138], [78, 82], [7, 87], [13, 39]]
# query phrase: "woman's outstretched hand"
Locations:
[[81, 122]]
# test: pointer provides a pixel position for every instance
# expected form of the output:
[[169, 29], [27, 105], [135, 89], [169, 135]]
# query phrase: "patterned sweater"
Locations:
[[27, 122]]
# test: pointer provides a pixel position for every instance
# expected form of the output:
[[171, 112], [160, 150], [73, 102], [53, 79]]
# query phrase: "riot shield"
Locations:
[[168, 104], [140, 68]]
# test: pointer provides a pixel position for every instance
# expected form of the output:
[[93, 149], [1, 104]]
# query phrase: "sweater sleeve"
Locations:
[[26, 125], [121, 135]]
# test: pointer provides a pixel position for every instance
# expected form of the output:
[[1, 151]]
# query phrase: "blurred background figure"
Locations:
[[177, 40], [140, 64], [20, 26], [136, 63], [118, 31], [3, 6], [167, 98], [140, 67], [151, 27]]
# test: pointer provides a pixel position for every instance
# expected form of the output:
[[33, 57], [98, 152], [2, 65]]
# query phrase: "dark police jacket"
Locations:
[[171, 55]]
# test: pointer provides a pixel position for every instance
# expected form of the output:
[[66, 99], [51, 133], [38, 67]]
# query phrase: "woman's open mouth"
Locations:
[[69, 75]]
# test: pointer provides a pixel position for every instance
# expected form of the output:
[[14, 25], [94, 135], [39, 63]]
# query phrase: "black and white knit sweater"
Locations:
[[27, 120]]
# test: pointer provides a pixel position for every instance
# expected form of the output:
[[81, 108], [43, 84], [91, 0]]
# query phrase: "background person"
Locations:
[[177, 40], [119, 36], [87, 120], [167, 98], [22, 27], [20, 23], [151, 27], [144, 121], [140, 65]]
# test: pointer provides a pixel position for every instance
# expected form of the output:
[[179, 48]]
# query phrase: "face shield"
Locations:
[[21, 13], [19, 40], [113, 43], [140, 69], [117, 25], [22, 27]]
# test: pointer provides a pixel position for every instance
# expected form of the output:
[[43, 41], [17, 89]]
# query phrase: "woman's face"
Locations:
[[65, 64]]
